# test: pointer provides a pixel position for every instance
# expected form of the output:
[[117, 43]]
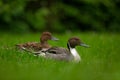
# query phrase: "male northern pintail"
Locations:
[[70, 54], [38, 46]]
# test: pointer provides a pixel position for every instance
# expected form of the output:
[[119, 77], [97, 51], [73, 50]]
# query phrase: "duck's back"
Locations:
[[59, 53], [30, 46], [33, 46]]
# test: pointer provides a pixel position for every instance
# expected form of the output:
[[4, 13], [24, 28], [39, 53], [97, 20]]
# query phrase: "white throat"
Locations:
[[75, 54]]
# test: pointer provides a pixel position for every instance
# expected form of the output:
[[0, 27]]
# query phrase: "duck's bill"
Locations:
[[84, 45], [54, 38]]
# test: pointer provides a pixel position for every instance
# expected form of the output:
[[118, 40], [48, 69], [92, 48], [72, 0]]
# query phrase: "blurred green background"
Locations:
[[96, 22], [23, 16]]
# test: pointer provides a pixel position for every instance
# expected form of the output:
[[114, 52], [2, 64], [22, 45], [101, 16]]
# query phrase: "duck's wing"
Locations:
[[30, 46], [57, 50], [58, 53]]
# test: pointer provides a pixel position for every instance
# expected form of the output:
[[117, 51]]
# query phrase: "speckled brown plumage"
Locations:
[[37, 46]]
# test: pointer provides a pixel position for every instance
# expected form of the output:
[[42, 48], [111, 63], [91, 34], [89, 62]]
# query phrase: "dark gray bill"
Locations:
[[54, 38], [84, 45]]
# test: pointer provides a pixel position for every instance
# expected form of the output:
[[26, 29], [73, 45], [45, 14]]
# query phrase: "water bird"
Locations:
[[63, 54], [38, 46]]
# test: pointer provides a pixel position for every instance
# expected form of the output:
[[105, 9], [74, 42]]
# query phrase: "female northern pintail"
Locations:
[[38, 46], [59, 53]]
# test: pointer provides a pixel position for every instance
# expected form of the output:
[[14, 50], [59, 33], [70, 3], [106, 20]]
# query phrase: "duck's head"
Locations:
[[75, 41], [47, 36]]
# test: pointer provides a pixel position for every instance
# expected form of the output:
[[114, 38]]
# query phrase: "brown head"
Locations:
[[75, 41], [47, 36]]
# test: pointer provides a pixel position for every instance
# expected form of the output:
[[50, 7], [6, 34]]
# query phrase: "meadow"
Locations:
[[99, 62]]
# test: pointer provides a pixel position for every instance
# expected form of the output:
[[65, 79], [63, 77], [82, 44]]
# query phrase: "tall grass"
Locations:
[[99, 62]]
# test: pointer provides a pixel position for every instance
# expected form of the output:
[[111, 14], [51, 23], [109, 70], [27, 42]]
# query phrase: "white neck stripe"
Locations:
[[77, 57]]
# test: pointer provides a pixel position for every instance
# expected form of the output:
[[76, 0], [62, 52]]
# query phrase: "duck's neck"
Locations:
[[45, 44], [75, 54]]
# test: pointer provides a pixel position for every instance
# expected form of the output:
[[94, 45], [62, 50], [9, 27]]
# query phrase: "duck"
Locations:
[[34, 47], [63, 54]]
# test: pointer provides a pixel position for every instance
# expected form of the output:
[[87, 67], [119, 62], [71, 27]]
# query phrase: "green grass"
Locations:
[[99, 62]]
